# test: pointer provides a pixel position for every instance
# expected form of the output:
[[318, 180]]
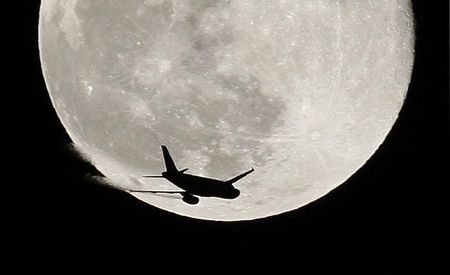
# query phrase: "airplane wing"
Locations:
[[235, 179], [156, 192], [186, 197]]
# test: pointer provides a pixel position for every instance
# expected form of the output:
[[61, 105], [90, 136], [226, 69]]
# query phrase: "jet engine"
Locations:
[[190, 199]]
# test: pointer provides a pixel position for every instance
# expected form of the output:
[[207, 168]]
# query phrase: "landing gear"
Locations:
[[190, 199]]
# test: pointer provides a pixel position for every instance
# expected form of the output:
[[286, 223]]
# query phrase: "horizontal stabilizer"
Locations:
[[184, 170], [152, 176]]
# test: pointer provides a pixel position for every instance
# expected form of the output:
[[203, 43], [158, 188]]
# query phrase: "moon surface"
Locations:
[[303, 91]]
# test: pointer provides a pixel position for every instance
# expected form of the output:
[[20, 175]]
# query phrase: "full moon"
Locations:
[[303, 91]]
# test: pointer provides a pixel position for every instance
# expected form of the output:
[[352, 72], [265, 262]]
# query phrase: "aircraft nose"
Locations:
[[235, 193]]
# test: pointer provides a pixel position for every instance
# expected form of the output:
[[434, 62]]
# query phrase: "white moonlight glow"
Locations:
[[303, 91]]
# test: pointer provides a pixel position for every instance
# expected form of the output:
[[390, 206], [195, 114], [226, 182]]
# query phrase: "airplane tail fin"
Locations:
[[170, 165], [235, 179]]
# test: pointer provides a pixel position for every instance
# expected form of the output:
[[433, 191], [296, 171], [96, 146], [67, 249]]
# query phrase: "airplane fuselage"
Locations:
[[195, 186], [200, 186]]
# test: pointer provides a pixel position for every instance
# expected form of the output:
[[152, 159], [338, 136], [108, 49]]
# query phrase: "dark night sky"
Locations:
[[386, 219]]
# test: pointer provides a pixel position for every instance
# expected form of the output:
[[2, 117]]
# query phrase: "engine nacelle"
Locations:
[[190, 199]]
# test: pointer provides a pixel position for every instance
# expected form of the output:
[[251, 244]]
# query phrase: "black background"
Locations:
[[388, 218]]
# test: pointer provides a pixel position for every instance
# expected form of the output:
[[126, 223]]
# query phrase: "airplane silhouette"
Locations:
[[195, 185]]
